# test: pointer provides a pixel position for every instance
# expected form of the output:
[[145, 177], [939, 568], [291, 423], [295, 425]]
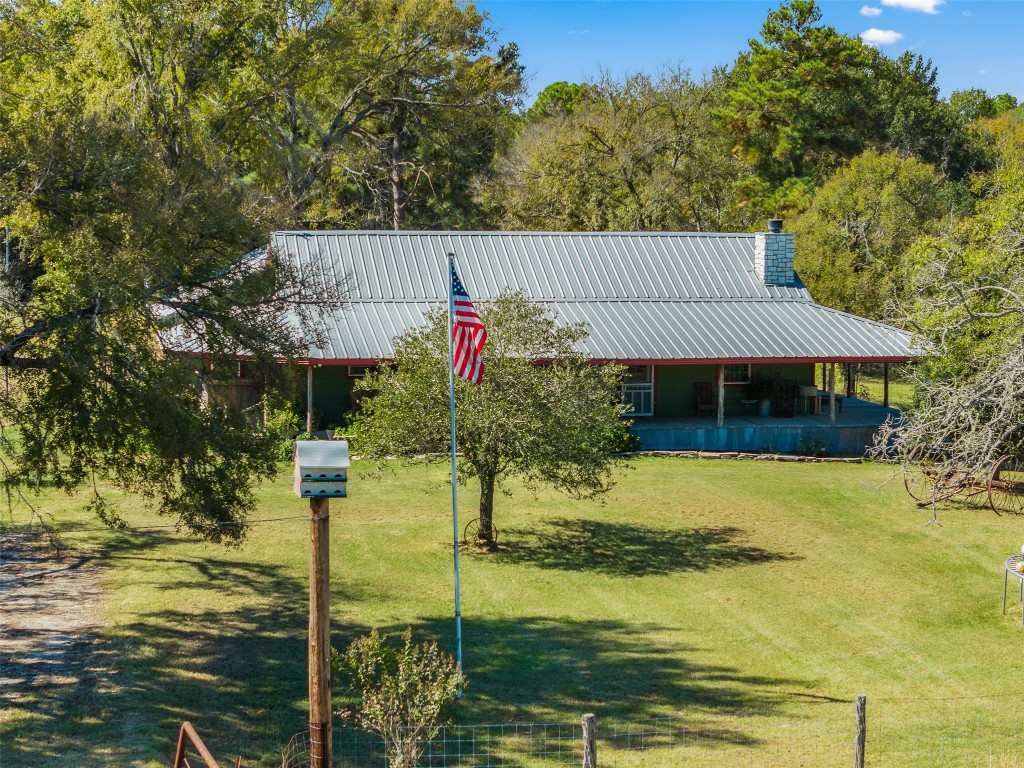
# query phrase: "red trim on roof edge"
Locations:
[[656, 361]]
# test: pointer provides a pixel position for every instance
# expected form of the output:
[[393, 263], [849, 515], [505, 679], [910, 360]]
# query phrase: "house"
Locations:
[[697, 317]]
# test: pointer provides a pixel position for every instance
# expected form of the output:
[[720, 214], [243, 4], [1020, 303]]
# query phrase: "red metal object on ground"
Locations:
[[187, 735]]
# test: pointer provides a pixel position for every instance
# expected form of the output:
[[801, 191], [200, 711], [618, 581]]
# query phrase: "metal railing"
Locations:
[[640, 396]]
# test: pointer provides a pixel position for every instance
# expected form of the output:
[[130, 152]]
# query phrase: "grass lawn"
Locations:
[[752, 599], [901, 393]]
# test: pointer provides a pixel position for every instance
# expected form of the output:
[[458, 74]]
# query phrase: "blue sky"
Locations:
[[974, 43]]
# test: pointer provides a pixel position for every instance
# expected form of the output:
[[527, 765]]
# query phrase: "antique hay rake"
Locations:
[[930, 480]]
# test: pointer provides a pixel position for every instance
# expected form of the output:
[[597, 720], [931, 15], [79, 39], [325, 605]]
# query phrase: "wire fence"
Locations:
[[982, 732]]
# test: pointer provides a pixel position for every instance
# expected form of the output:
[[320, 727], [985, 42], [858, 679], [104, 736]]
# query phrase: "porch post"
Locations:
[[832, 394], [885, 384], [721, 395], [309, 399]]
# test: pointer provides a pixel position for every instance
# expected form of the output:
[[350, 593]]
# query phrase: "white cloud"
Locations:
[[968, 13], [924, 6], [881, 36], [870, 10], [982, 71], [579, 31]]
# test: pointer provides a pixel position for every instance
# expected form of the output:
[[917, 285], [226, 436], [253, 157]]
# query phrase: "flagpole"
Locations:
[[455, 502]]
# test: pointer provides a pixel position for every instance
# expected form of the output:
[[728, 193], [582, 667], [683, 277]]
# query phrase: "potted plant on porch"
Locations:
[[762, 389]]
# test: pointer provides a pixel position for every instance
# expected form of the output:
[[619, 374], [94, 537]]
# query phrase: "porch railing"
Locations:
[[640, 396]]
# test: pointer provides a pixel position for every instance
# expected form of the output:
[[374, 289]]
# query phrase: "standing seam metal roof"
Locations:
[[676, 296]]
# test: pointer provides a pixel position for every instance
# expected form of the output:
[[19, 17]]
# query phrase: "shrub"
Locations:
[[403, 694]]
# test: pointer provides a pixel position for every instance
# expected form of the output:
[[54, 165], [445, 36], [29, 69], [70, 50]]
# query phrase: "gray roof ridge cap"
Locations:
[[497, 232], [564, 300]]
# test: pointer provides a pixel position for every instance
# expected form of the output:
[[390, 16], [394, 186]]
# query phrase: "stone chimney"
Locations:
[[773, 255]]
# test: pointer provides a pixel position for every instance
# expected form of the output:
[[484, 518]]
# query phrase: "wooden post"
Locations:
[[832, 394], [721, 396], [319, 634], [589, 741], [885, 384], [309, 400], [862, 731]]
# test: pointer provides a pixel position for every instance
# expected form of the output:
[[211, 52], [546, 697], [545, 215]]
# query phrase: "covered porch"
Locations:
[[851, 434], [777, 406]]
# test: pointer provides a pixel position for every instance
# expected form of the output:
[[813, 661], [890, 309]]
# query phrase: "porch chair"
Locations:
[[705, 396]]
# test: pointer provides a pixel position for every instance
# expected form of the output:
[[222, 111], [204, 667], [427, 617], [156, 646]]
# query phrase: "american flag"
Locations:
[[468, 334]]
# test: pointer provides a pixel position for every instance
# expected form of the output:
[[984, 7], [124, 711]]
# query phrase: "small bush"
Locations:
[[403, 694], [624, 441], [816, 448]]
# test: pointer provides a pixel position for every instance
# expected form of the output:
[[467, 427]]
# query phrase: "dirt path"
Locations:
[[48, 616]]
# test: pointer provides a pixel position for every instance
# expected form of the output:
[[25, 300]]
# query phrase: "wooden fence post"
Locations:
[[862, 731], [319, 634], [589, 741]]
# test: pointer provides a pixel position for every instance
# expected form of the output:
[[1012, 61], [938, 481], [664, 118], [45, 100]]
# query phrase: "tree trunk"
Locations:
[[396, 160], [485, 533]]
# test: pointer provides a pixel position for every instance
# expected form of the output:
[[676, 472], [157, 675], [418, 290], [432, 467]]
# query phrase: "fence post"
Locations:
[[589, 741], [862, 731], [319, 634]]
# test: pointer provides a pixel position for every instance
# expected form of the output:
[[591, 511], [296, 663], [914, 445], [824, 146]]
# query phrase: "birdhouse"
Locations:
[[321, 468]]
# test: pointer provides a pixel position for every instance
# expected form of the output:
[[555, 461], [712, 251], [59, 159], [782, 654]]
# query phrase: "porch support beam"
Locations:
[[309, 399], [832, 394], [885, 384], [721, 394]]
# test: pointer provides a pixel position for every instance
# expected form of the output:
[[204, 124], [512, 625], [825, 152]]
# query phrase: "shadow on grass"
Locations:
[[238, 671], [628, 549], [239, 674], [533, 669]]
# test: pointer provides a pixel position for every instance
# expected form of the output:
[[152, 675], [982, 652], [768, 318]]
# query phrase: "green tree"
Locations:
[[641, 154], [967, 308], [145, 147], [543, 413], [435, 120], [560, 98], [798, 102], [967, 279], [854, 235]]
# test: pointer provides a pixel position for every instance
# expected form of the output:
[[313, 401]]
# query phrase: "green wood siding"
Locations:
[[332, 395]]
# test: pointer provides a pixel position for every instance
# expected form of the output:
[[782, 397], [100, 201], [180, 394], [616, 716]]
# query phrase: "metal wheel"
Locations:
[[1006, 486], [920, 476], [471, 533]]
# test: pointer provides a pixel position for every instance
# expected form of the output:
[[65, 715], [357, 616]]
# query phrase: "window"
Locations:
[[638, 374], [358, 371], [638, 389], [737, 373]]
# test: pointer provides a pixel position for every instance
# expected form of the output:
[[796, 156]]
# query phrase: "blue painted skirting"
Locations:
[[854, 432], [839, 441]]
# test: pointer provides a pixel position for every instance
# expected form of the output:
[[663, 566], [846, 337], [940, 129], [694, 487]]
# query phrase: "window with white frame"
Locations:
[[638, 389], [737, 373]]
